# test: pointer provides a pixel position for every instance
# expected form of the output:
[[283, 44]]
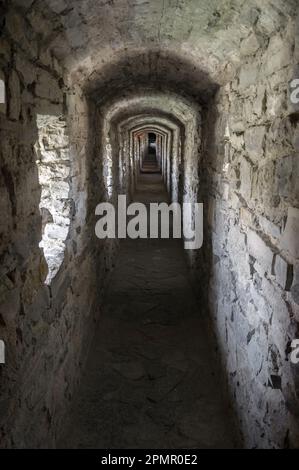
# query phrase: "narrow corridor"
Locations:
[[150, 164], [114, 342], [150, 380]]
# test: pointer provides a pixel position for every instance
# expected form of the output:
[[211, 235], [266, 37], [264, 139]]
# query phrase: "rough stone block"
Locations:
[[290, 238], [55, 138], [236, 241], [57, 66], [60, 190], [279, 139], [234, 201], [48, 88], [24, 3], [17, 28], [249, 45], [5, 50], [248, 75], [211, 212], [45, 57], [237, 142], [276, 104], [246, 178], [260, 250], [295, 293], [56, 232], [225, 191], [245, 216], [260, 101], [269, 228], [279, 55], [263, 185], [283, 272], [46, 107], [295, 286], [254, 142], [48, 156], [38, 21], [25, 69], [296, 138], [237, 126], [256, 350], [268, 22], [51, 172], [58, 5], [283, 175], [14, 104]]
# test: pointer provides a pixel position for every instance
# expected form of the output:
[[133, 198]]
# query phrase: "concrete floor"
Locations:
[[150, 380]]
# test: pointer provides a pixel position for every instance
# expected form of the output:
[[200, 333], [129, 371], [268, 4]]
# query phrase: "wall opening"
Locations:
[[152, 143], [2, 92], [3, 105], [53, 164]]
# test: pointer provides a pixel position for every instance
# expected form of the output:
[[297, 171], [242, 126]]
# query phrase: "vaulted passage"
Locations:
[[137, 339], [149, 381]]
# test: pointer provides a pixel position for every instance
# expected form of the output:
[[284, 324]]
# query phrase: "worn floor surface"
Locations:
[[150, 380]]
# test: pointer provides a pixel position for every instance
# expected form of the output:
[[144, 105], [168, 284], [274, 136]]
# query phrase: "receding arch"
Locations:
[[171, 151]]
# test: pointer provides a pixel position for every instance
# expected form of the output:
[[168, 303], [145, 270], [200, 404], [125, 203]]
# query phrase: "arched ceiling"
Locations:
[[170, 105], [140, 121], [145, 123], [160, 124], [146, 71], [108, 45], [150, 129]]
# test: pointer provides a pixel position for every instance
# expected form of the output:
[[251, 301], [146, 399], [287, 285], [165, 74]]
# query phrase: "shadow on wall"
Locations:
[[244, 268], [151, 70]]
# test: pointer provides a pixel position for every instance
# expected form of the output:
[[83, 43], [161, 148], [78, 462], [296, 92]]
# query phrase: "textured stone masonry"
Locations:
[[84, 82]]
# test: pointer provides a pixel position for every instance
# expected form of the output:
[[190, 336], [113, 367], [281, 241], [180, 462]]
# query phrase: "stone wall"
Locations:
[[237, 153], [46, 162], [250, 172]]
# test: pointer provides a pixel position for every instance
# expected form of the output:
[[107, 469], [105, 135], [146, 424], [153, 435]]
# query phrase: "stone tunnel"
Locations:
[[137, 342]]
